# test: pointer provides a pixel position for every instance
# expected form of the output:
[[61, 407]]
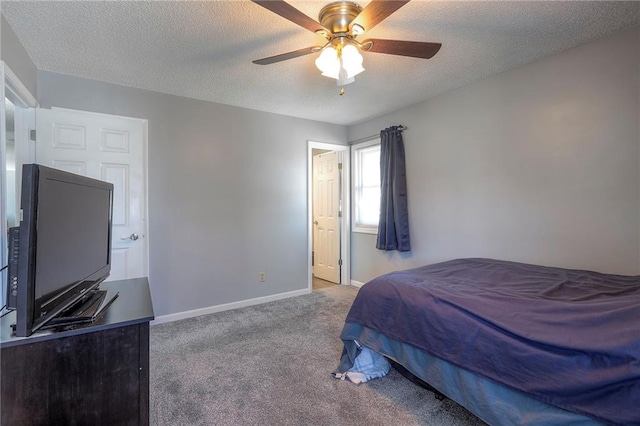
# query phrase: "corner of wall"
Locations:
[[15, 56]]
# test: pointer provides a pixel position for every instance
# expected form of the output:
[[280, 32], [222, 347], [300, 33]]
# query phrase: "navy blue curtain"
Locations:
[[393, 227]]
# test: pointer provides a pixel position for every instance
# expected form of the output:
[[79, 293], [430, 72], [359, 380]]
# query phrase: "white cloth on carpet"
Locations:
[[368, 365]]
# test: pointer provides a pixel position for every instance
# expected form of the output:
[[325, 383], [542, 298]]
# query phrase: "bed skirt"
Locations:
[[492, 402]]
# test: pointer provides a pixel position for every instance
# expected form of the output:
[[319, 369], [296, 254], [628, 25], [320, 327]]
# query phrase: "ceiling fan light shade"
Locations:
[[344, 67], [352, 60], [344, 78], [328, 63]]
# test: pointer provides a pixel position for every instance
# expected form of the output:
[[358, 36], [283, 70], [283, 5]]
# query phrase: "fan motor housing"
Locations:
[[337, 16]]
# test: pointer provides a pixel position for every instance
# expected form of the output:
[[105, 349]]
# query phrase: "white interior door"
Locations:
[[112, 149], [326, 217]]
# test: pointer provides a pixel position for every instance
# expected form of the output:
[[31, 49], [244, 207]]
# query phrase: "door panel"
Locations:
[[326, 217], [108, 148]]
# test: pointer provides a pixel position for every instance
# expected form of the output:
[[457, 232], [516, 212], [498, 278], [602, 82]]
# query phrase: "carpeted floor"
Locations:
[[270, 365]]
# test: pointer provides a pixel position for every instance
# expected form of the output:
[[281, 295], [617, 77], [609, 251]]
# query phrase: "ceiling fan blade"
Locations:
[[288, 55], [415, 49], [376, 11], [289, 12]]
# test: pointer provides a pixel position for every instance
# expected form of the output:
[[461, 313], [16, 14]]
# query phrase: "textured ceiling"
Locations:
[[204, 50]]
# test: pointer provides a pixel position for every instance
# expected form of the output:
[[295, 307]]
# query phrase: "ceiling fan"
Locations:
[[341, 22]]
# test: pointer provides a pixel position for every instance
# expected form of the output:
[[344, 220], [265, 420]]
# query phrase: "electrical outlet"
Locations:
[[262, 277]]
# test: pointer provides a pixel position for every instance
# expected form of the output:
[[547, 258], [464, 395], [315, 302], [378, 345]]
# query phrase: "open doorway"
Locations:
[[328, 214]]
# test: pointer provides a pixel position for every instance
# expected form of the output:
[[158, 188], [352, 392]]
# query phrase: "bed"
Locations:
[[513, 343]]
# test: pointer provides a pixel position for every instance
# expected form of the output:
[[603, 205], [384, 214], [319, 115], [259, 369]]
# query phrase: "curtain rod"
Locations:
[[400, 127]]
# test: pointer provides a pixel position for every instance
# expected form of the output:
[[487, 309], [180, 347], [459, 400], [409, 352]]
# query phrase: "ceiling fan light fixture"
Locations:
[[343, 66]]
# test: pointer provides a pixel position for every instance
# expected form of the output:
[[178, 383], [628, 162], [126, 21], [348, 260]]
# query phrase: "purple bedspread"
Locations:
[[570, 338]]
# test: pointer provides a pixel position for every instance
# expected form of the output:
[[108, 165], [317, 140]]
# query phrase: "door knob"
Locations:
[[315, 222], [132, 237]]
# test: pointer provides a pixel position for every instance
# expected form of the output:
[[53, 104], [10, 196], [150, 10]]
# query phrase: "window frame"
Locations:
[[356, 185]]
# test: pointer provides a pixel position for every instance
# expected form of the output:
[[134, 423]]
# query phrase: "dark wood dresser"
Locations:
[[94, 374]]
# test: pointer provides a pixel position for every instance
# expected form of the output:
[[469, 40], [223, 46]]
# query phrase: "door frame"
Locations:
[[12, 88], [345, 223]]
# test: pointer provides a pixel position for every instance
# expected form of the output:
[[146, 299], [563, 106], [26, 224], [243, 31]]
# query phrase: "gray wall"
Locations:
[[538, 164], [227, 191], [13, 54]]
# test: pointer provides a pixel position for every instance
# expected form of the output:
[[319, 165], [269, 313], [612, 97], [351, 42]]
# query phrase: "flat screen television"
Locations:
[[64, 243]]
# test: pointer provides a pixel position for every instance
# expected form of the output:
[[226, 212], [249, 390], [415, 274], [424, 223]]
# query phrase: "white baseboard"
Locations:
[[356, 283], [228, 306]]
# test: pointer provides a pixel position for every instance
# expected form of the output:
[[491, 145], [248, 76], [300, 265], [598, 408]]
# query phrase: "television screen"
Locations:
[[65, 242]]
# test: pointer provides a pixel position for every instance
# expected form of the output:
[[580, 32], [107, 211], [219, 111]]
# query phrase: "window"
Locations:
[[366, 186]]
